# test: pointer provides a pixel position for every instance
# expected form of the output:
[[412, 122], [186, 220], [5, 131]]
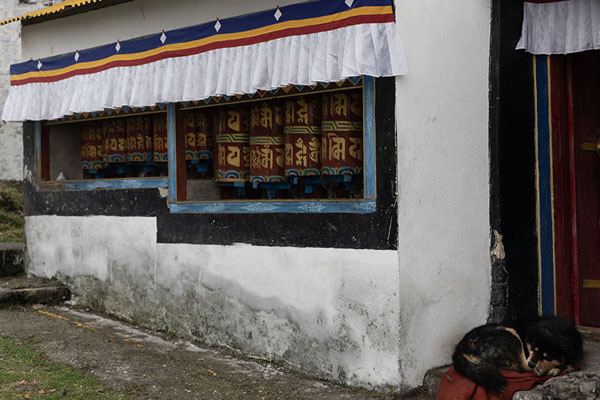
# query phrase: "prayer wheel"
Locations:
[[139, 139], [92, 143], [302, 135], [160, 139], [115, 141], [267, 158], [233, 145], [198, 141], [342, 146]]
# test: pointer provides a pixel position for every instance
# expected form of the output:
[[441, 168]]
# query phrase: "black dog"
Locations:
[[485, 350], [554, 345]]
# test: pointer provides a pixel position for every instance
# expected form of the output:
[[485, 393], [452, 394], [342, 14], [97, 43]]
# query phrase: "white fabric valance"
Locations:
[[560, 27], [323, 56]]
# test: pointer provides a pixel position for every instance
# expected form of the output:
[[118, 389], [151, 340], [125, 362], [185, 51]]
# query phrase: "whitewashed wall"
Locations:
[[331, 313], [11, 139], [394, 314], [443, 168], [131, 20]]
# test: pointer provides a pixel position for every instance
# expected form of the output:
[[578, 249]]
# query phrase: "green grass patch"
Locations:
[[26, 374], [11, 212]]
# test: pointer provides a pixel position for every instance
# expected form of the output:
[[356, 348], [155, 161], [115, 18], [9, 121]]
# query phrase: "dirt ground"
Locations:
[[154, 366]]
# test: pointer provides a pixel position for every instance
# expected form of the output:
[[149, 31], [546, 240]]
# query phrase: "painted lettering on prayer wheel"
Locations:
[[92, 142], [302, 133], [139, 139], [115, 141], [267, 158], [160, 139], [198, 141], [233, 144], [342, 127]]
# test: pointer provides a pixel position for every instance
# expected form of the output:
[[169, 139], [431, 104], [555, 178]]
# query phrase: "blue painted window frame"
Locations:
[[91, 184], [368, 204]]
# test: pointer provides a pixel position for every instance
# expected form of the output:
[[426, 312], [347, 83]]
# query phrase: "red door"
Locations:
[[585, 84]]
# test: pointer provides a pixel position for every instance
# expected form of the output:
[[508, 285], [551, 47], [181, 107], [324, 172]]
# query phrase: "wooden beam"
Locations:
[[180, 168], [44, 156]]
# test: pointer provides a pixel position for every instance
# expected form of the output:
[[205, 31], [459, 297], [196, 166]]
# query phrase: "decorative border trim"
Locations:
[[293, 20], [261, 207], [544, 185], [114, 184]]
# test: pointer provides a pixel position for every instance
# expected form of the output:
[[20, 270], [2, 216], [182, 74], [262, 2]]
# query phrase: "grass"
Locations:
[[11, 212], [26, 374]]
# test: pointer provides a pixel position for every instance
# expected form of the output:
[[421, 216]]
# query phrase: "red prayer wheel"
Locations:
[[233, 144], [92, 143], [198, 141], [267, 148], [139, 139], [302, 135], [115, 141], [342, 127], [160, 139]]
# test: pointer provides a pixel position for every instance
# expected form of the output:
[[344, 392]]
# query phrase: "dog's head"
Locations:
[[542, 358]]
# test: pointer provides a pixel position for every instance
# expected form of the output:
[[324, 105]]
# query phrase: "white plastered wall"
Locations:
[[332, 313], [130, 20], [443, 168]]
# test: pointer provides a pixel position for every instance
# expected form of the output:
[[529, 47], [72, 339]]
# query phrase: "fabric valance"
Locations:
[[560, 26], [301, 44]]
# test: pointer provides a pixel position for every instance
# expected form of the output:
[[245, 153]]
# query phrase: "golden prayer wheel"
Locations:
[[92, 143], [139, 139], [267, 158], [233, 145], [302, 134], [342, 127], [160, 139], [115, 141]]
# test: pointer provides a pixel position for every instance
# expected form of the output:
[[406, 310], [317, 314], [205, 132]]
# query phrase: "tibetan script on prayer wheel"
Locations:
[[267, 158], [302, 133], [139, 139], [342, 146], [92, 143], [115, 141], [160, 139], [198, 141], [233, 144]]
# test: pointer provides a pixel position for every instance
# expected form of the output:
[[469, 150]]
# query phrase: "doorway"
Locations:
[[583, 80]]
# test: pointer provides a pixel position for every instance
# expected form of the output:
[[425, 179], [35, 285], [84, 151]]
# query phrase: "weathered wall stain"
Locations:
[[337, 321]]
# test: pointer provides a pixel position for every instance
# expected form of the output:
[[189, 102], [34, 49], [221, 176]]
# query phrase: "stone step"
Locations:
[[433, 377], [21, 289], [11, 259]]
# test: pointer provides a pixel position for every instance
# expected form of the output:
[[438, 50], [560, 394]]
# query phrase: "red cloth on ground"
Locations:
[[455, 386]]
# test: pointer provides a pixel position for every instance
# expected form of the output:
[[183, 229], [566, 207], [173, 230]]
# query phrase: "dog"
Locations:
[[485, 350], [554, 345]]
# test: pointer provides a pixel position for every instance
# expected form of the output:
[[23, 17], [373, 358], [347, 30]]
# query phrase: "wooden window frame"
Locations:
[[176, 181]]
